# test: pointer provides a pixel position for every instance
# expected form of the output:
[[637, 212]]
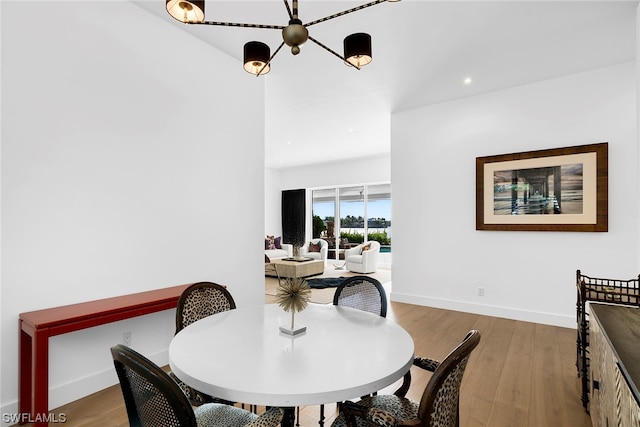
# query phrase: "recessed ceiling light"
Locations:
[[467, 81]]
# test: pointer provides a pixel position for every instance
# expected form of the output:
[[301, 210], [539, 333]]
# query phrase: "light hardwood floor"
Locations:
[[520, 375]]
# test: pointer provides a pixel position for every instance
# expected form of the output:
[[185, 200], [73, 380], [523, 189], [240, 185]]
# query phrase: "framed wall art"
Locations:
[[560, 189]]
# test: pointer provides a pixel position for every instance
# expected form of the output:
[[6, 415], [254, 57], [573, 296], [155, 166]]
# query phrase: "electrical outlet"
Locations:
[[480, 292], [126, 338]]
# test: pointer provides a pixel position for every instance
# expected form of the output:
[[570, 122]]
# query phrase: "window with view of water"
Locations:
[[347, 216]]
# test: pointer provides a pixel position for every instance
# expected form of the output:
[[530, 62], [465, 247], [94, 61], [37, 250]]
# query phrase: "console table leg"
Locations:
[[33, 385], [40, 378], [25, 383]]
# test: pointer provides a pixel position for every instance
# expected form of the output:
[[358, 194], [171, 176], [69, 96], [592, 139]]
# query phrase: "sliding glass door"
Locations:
[[347, 216], [352, 214], [323, 211], [379, 215]]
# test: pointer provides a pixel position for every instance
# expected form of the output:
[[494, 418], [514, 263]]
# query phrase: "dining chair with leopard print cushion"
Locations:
[[201, 300], [198, 301], [152, 398], [438, 407]]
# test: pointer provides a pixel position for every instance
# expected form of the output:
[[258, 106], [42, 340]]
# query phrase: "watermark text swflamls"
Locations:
[[25, 417]]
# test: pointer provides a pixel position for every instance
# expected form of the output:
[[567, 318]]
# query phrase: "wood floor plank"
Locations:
[[513, 396], [547, 393], [480, 385]]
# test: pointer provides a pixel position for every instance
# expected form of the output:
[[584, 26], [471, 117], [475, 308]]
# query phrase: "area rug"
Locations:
[[325, 282], [323, 295]]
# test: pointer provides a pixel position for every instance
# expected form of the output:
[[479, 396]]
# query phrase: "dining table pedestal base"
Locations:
[[289, 418]]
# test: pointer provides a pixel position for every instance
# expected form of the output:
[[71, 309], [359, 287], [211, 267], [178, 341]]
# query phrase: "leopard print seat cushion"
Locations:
[[219, 415], [399, 407], [381, 418]]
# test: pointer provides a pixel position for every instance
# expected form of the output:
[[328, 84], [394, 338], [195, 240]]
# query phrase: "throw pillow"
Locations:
[[366, 247], [269, 242], [314, 247], [278, 242]]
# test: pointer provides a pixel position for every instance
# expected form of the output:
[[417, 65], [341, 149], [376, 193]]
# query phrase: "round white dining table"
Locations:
[[242, 356]]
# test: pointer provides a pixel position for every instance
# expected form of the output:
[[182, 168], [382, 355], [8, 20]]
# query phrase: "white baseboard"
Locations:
[[488, 310], [79, 388]]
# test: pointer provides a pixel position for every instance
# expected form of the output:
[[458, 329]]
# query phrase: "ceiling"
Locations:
[[319, 110]]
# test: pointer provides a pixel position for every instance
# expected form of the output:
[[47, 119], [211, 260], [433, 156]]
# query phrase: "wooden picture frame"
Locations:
[[560, 189]]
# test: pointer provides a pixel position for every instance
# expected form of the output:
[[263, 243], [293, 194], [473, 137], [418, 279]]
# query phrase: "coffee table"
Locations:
[[294, 269]]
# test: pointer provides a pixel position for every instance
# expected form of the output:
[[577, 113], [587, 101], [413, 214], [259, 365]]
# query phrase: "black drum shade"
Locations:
[[256, 55], [357, 49]]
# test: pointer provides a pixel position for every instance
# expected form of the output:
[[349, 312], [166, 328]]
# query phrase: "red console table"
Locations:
[[37, 326]]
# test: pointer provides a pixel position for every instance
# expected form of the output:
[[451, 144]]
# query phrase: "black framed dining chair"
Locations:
[[367, 294], [196, 302], [153, 399], [362, 292], [438, 406], [200, 300]]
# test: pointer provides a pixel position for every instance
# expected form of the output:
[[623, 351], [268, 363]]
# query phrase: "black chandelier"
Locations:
[[257, 57]]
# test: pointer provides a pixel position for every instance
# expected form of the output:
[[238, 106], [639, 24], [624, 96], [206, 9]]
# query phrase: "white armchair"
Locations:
[[363, 258], [320, 255], [272, 251]]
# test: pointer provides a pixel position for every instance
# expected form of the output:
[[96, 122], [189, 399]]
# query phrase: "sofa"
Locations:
[[316, 249], [363, 258], [275, 249]]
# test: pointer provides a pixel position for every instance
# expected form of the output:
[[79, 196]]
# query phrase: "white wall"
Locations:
[[348, 172], [441, 260], [123, 170], [272, 203], [638, 102]]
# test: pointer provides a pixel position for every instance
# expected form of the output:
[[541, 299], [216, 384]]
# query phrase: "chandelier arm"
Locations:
[[270, 59], [286, 4], [295, 9], [333, 52], [235, 24], [344, 12]]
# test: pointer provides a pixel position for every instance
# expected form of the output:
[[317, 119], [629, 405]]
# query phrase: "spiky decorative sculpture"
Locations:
[[293, 295]]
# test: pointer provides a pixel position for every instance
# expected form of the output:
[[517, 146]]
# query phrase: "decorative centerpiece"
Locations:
[[296, 254], [296, 250], [293, 295]]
